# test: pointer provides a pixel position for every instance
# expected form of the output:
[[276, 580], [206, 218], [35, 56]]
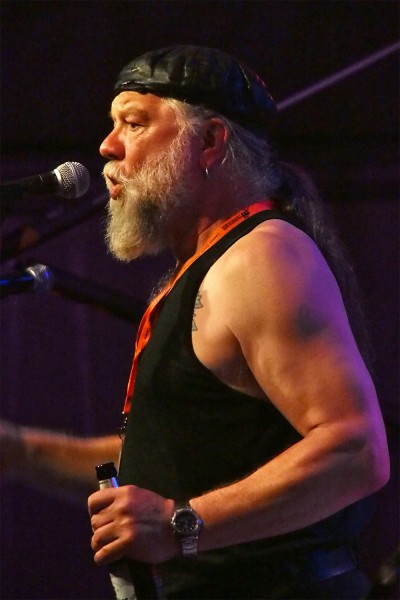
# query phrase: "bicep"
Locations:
[[298, 343], [312, 382]]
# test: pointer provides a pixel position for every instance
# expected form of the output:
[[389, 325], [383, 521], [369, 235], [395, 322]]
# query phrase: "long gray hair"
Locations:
[[253, 159]]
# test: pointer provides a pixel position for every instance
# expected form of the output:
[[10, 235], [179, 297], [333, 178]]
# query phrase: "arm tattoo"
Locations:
[[308, 323], [197, 305]]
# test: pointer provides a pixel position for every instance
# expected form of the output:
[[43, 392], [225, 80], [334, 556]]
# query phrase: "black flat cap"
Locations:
[[202, 76]]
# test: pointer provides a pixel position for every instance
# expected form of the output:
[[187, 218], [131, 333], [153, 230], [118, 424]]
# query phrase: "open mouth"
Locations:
[[114, 187]]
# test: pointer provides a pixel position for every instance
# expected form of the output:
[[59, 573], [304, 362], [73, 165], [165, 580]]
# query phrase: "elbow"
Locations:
[[364, 458], [381, 471], [375, 461]]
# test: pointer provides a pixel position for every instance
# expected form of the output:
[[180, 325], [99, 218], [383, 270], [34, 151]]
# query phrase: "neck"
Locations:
[[195, 237]]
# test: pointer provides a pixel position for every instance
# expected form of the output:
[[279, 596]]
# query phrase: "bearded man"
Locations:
[[253, 432]]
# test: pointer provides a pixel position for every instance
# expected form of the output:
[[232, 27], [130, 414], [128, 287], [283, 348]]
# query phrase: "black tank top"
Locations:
[[188, 432]]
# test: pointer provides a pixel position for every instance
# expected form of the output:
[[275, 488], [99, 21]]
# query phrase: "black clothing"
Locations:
[[188, 433]]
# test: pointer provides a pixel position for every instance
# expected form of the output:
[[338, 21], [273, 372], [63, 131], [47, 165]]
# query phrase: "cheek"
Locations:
[[137, 154], [147, 146], [134, 158]]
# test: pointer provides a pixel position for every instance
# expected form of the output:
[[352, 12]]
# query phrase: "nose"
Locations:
[[112, 148]]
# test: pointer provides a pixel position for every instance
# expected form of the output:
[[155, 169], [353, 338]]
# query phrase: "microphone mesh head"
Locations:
[[43, 277], [74, 179]]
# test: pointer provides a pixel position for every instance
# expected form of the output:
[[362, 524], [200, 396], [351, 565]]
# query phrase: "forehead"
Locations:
[[147, 105]]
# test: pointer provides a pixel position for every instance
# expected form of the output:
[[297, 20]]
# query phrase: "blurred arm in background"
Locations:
[[54, 462]]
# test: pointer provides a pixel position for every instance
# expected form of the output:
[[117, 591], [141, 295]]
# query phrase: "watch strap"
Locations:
[[189, 541]]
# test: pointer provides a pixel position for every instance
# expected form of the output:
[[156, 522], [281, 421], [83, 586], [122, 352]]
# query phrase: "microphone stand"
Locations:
[[31, 235], [66, 284], [103, 298]]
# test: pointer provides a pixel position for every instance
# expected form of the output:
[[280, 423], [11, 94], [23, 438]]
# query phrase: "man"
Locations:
[[253, 429]]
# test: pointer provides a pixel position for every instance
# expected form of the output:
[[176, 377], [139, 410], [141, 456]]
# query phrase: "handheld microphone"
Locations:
[[69, 180], [36, 278]]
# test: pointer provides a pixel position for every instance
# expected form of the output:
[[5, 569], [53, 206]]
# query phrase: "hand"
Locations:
[[132, 522]]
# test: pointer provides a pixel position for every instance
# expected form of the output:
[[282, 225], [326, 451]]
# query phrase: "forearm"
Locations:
[[307, 483], [331, 467], [55, 462]]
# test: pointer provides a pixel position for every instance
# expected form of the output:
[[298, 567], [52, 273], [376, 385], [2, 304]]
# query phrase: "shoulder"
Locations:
[[275, 273], [275, 241], [273, 251]]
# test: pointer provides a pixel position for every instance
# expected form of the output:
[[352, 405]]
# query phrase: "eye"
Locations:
[[133, 124]]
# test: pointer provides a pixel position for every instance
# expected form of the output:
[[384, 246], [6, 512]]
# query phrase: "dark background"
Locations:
[[65, 362]]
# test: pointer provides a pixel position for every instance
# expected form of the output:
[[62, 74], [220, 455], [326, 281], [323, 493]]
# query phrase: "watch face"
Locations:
[[185, 522]]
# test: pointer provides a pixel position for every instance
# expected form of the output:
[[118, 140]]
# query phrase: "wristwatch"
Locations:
[[186, 525]]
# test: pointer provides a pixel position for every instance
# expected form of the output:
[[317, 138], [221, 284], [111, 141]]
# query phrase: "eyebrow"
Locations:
[[128, 110]]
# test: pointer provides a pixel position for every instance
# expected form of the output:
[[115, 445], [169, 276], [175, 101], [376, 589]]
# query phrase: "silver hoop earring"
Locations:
[[207, 173]]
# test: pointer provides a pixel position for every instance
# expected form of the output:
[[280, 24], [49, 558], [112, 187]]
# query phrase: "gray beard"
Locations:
[[159, 195]]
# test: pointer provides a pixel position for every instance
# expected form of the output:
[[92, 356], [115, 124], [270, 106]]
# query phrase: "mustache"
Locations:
[[113, 171]]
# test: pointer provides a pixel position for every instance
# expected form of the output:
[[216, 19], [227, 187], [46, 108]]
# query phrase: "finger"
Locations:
[[102, 536], [100, 500], [100, 520], [109, 552]]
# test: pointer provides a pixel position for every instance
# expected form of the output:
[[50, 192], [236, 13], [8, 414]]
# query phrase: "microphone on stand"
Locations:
[[69, 180], [36, 278]]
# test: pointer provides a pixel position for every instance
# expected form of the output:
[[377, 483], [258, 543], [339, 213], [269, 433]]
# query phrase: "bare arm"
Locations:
[[54, 462], [281, 303], [301, 351]]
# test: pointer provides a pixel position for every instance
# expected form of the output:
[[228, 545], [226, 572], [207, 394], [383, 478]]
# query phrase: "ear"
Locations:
[[215, 135]]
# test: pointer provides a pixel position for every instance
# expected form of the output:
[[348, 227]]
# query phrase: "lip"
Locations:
[[114, 187], [115, 190]]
